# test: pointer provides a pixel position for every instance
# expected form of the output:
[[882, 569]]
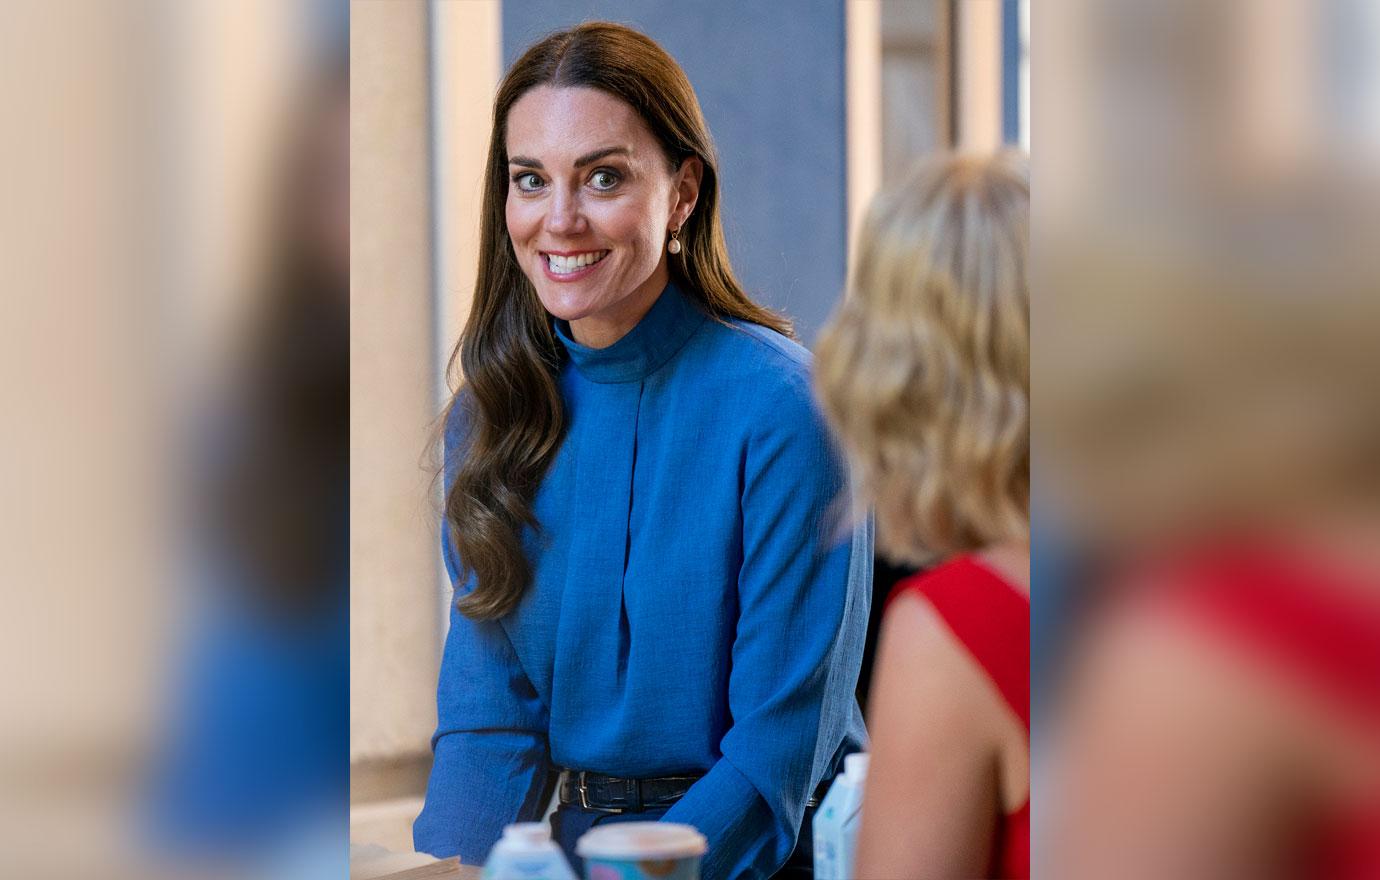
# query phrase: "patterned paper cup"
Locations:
[[642, 851]]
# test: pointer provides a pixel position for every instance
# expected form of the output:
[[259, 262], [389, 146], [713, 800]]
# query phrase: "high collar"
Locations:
[[644, 349]]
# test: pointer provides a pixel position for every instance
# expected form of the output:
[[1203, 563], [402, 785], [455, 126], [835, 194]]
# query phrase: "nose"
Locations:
[[565, 218]]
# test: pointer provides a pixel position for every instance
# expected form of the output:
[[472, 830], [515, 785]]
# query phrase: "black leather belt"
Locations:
[[610, 794]]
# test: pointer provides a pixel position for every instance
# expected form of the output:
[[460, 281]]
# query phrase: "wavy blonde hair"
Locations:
[[924, 370]]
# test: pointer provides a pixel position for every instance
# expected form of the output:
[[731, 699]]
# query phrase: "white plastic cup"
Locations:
[[642, 851]]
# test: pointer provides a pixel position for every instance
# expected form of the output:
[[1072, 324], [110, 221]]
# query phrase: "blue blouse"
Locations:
[[694, 606]]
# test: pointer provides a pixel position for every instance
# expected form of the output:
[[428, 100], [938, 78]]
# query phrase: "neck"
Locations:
[[606, 328]]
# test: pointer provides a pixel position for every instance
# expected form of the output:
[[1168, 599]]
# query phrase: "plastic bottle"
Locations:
[[836, 821], [526, 852]]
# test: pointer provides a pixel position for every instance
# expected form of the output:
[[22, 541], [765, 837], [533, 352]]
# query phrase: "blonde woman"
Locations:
[[924, 373]]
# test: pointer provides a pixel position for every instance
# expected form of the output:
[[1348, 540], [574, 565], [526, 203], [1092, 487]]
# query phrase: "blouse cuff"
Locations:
[[745, 838]]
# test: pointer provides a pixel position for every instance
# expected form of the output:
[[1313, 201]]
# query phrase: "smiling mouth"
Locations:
[[568, 265]]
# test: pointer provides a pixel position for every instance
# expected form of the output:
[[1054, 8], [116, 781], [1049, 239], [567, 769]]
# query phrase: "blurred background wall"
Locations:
[[812, 105]]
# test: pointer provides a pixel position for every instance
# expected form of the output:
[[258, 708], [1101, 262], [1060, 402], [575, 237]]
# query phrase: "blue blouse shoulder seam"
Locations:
[[780, 346]]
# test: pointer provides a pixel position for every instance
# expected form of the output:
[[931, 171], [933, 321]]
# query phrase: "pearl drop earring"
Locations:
[[674, 245]]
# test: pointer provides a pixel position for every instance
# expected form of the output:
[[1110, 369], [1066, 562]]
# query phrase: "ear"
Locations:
[[686, 190]]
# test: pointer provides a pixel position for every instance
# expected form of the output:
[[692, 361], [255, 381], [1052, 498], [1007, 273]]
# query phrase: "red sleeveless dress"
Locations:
[[992, 620]]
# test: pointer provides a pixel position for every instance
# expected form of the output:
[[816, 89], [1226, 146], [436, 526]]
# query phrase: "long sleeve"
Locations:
[[803, 603], [491, 764]]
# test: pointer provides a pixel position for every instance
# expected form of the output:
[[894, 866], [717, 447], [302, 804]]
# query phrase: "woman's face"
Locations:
[[591, 201]]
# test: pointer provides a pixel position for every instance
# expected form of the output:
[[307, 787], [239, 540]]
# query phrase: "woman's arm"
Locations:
[[797, 649], [491, 765], [932, 795]]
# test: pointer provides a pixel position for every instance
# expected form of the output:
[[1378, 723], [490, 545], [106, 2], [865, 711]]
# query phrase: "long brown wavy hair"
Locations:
[[509, 355]]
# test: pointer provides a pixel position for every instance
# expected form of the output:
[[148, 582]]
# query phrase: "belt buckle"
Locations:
[[584, 797]]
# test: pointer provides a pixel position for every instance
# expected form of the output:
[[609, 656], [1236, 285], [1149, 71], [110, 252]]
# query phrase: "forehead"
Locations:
[[555, 124]]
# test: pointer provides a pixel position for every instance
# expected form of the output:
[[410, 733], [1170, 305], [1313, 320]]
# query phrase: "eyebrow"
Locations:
[[586, 159]]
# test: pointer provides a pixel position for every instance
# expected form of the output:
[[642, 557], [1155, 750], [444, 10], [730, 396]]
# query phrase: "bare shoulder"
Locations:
[[926, 676], [938, 728]]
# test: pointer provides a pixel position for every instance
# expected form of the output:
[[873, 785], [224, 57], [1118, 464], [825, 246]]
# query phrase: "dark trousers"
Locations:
[[569, 822]]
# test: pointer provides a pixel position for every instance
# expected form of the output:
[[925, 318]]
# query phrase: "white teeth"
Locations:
[[566, 265]]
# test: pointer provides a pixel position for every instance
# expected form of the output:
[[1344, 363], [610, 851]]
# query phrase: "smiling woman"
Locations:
[[650, 601], [592, 198]]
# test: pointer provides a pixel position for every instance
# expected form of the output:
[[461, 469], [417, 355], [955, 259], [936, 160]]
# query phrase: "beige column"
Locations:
[[978, 74], [393, 584], [422, 80], [467, 57], [864, 83]]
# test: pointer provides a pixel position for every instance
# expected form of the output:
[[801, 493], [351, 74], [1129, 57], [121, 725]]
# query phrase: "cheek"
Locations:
[[632, 225], [522, 220]]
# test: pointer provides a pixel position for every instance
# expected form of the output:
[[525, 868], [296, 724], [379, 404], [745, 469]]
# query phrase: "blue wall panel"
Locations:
[[770, 77], [1011, 71]]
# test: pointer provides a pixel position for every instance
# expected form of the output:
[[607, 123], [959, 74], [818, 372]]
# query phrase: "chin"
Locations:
[[565, 305]]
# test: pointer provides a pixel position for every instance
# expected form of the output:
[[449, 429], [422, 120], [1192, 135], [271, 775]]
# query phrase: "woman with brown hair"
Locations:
[[651, 603], [925, 374]]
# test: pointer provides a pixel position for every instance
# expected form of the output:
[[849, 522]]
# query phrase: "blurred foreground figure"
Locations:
[[1209, 429], [253, 775], [925, 375], [172, 479], [1224, 719]]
